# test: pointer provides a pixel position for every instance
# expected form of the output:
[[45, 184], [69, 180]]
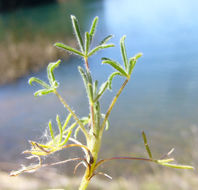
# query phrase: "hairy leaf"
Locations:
[[123, 51], [100, 47], [50, 73], [93, 28], [42, 83], [115, 65], [43, 92], [87, 42], [60, 128], [106, 39], [111, 78], [77, 32], [67, 121], [146, 145], [69, 49], [51, 131], [102, 89]]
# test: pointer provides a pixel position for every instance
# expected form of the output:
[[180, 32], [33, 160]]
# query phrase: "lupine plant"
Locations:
[[94, 125]]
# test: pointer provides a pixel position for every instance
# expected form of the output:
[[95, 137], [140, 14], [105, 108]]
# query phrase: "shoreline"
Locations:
[[18, 59]]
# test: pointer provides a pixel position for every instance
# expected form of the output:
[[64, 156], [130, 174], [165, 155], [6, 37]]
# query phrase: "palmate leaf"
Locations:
[[132, 62], [77, 32], [53, 83]]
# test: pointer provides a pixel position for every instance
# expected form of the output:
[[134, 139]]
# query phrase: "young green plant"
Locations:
[[94, 125]]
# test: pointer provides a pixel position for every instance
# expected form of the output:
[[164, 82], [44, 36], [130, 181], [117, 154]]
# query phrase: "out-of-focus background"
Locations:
[[160, 99]]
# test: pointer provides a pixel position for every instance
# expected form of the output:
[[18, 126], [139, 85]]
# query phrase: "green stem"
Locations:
[[73, 114], [90, 103], [94, 147], [112, 105]]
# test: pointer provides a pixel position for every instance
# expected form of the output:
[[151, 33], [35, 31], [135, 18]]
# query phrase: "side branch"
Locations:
[[112, 105], [121, 158], [73, 114]]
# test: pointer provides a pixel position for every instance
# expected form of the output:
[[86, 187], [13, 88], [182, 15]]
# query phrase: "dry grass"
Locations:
[[17, 59], [49, 179]]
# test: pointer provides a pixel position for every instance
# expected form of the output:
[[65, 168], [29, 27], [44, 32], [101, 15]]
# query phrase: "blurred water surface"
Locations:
[[161, 97]]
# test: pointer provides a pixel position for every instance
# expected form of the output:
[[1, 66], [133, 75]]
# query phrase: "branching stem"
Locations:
[[91, 103], [112, 105], [73, 114]]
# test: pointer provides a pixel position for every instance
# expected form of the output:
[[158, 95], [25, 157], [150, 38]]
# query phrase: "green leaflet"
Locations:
[[69, 49], [67, 121], [87, 43], [77, 32], [115, 65], [42, 83], [107, 122], [177, 166], [43, 92], [111, 78], [123, 51], [95, 88], [102, 89], [51, 131], [93, 28], [100, 47], [66, 138], [50, 73], [106, 39], [132, 63], [60, 128], [146, 145]]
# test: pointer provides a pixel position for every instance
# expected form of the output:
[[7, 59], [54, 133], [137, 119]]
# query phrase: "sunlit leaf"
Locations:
[[87, 42], [100, 47], [111, 78], [66, 138], [123, 51], [42, 83], [77, 32], [177, 166], [43, 92], [69, 49], [59, 127], [146, 145], [51, 131], [106, 39], [93, 27], [102, 89], [115, 65], [67, 121], [50, 73]]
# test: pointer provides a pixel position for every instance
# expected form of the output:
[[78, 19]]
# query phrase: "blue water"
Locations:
[[161, 97]]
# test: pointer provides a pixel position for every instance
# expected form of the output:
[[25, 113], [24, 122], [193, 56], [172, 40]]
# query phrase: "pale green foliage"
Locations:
[[53, 84], [93, 125]]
